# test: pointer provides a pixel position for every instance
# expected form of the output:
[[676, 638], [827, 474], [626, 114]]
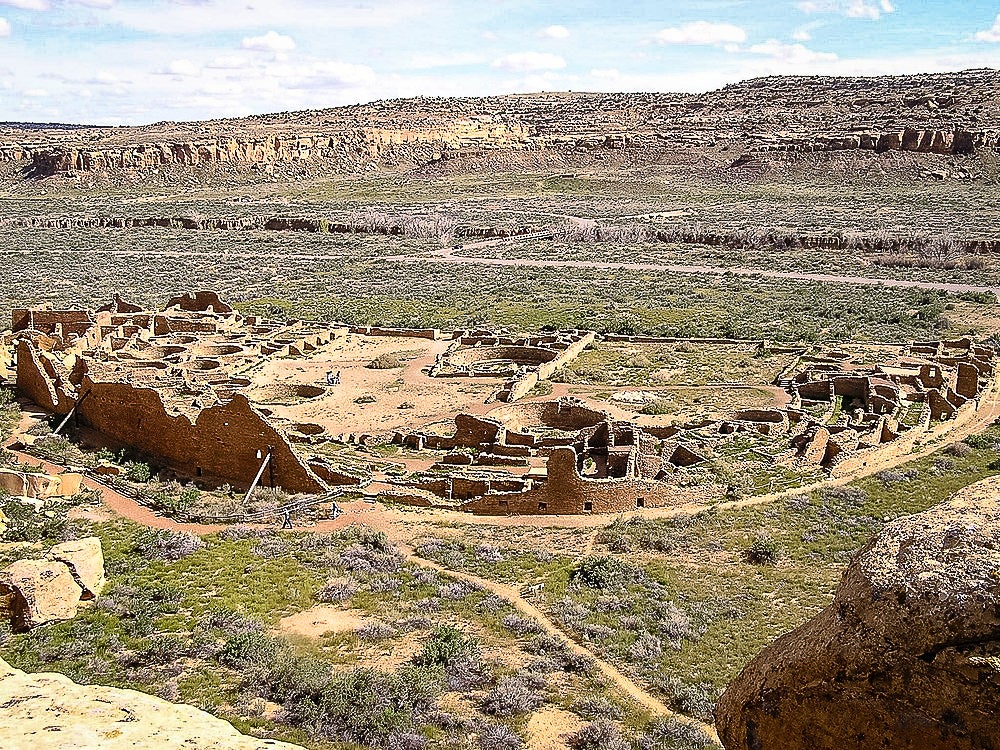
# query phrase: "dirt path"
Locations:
[[449, 257], [514, 596]]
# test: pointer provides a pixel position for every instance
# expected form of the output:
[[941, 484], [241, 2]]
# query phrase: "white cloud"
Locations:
[[183, 68], [200, 17], [554, 32], [525, 62], [805, 33], [851, 8], [324, 74], [795, 54], [702, 33], [272, 41], [4, 27], [35, 93], [991, 34], [228, 62], [27, 4]]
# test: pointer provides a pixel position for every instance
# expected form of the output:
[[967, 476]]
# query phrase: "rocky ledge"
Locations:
[[51, 712], [907, 656]]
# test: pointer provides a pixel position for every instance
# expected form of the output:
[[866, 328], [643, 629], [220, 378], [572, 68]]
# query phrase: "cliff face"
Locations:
[[356, 147], [955, 113]]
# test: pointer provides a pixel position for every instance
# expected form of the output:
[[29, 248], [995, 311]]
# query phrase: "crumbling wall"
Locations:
[[566, 492], [222, 444], [40, 380], [199, 302]]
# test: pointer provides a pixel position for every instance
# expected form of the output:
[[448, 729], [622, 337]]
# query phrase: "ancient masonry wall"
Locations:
[[221, 444], [566, 492]]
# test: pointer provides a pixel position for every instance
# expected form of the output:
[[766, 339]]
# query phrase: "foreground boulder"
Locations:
[[50, 712], [37, 592], [907, 656], [85, 560], [42, 591]]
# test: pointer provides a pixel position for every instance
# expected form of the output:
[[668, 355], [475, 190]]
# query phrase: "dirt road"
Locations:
[[453, 259]]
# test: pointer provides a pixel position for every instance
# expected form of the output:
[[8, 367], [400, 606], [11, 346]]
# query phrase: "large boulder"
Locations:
[[50, 712], [85, 560], [907, 656], [43, 591]]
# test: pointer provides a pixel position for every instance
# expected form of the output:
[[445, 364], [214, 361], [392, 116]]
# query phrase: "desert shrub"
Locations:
[[376, 631], [456, 590], [168, 546], [844, 495], [959, 450], [659, 407], [647, 647], [601, 572], [696, 700], [228, 621], [671, 734], [596, 709], [25, 524], [986, 441], [512, 696], [890, 476], [136, 471], [362, 558], [336, 591], [600, 735], [521, 625], [446, 646], [363, 706], [762, 551], [386, 362], [498, 737]]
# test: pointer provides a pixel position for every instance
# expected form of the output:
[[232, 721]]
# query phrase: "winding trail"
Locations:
[[450, 258], [513, 595]]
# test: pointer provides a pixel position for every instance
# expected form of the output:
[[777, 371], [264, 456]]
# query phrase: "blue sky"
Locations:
[[140, 61]]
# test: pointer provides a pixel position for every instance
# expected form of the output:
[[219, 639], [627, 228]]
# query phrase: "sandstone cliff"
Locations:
[[51, 712], [957, 113], [907, 656]]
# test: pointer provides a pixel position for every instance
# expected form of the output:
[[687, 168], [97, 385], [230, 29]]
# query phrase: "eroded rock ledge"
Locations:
[[907, 656], [50, 712]]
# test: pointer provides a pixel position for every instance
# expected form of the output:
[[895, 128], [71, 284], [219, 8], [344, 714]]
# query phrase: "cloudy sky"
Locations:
[[140, 61]]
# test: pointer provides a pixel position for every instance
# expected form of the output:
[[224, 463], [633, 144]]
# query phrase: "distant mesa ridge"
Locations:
[[954, 113]]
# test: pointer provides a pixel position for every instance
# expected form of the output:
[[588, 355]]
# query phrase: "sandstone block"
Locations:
[[85, 560], [44, 591]]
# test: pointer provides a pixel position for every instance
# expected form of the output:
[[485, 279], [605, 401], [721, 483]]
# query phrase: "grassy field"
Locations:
[[332, 277]]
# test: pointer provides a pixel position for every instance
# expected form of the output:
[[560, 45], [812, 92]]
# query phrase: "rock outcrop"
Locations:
[[51, 712], [953, 114], [907, 656], [37, 592]]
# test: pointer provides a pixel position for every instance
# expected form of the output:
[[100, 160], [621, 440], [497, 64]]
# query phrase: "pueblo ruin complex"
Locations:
[[211, 396]]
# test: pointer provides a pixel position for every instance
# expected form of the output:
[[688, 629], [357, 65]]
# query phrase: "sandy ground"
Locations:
[[433, 399], [321, 619], [550, 728]]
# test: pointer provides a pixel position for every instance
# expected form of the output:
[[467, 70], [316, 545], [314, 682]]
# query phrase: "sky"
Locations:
[[131, 62]]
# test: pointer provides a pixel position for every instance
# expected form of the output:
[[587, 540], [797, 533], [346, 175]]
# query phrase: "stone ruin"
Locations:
[[169, 384], [173, 386], [842, 415], [524, 361]]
